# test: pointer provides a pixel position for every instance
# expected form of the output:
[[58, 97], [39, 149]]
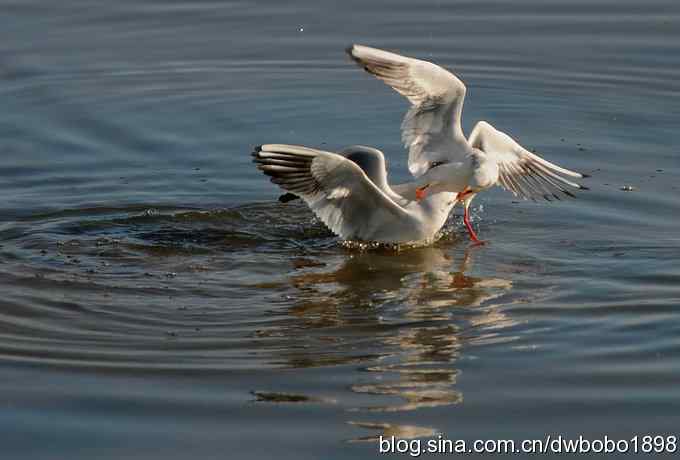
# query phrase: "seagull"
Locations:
[[440, 154], [349, 191]]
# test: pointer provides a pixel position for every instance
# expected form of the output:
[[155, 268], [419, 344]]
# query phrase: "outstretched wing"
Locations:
[[521, 172], [335, 188], [372, 163], [436, 95]]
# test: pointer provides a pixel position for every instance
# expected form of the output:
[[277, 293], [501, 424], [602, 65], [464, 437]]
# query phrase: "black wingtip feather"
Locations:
[[350, 52], [583, 187], [585, 176], [286, 197]]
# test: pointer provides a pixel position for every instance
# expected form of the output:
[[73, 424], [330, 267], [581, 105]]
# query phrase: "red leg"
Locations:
[[473, 235]]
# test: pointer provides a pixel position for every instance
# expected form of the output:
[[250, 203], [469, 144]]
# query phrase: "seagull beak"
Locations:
[[421, 192], [462, 196]]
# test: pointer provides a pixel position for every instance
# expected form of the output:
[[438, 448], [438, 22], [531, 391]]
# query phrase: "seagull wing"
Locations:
[[335, 188], [521, 172], [436, 97]]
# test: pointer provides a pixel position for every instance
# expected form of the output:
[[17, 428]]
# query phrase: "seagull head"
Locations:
[[444, 177]]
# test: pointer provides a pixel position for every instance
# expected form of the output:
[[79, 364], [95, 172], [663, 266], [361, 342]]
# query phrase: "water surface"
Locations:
[[158, 302]]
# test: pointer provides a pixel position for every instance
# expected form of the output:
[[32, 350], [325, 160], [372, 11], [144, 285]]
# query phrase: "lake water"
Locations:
[[159, 303]]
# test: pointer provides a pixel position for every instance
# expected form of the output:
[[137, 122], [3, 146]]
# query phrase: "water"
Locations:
[[157, 301]]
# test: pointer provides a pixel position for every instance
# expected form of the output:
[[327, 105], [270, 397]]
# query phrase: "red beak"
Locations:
[[421, 192]]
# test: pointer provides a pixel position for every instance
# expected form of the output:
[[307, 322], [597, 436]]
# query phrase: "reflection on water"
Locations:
[[388, 429], [421, 307]]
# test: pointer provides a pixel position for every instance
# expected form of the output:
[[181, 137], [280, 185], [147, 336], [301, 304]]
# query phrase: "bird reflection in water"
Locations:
[[404, 316]]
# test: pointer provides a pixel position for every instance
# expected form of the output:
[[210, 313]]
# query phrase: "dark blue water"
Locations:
[[158, 302]]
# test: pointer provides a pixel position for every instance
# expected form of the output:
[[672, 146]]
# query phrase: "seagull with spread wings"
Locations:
[[349, 191]]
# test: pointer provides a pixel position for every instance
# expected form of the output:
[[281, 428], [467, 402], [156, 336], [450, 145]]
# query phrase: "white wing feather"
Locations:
[[431, 127], [335, 188], [521, 172]]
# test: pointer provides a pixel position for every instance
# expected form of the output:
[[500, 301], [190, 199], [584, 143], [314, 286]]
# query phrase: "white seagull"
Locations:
[[349, 191]]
